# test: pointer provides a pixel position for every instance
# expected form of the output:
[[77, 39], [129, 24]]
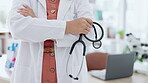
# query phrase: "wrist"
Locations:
[[34, 16], [67, 27]]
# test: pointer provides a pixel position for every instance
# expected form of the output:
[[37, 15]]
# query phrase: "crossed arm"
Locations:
[[77, 26]]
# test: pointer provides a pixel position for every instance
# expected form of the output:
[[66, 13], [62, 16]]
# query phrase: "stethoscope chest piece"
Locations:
[[97, 45]]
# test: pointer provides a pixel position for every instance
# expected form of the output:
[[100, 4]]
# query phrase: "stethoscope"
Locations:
[[96, 44]]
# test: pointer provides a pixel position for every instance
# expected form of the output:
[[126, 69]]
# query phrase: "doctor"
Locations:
[[47, 29]]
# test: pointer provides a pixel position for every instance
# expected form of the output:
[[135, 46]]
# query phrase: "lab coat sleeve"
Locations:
[[83, 9], [30, 29]]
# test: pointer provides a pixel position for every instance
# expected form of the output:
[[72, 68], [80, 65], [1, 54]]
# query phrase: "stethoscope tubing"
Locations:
[[78, 41], [96, 40], [84, 48]]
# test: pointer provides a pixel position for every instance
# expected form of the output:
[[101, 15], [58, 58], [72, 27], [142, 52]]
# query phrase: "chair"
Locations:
[[96, 61]]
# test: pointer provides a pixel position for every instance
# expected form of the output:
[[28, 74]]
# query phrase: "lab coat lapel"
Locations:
[[63, 8], [43, 3]]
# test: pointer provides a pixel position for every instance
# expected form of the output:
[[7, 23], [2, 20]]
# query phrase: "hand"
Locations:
[[79, 26], [26, 11]]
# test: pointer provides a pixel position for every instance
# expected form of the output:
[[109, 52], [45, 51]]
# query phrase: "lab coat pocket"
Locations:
[[23, 74]]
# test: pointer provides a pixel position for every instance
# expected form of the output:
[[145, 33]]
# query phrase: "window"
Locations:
[[137, 18], [131, 15]]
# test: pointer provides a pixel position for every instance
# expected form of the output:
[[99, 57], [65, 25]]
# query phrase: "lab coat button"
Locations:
[[47, 50], [52, 70], [52, 54], [53, 11]]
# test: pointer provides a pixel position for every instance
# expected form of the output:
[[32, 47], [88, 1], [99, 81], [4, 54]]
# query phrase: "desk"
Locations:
[[136, 78]]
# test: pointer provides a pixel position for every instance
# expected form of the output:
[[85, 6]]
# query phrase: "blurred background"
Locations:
[[118, 18], [130, 16]]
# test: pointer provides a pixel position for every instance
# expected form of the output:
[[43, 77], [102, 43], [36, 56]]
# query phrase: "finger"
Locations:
[[88, 29], [83, 20], [87, 24], [89, 21], [85, 32], [84, 27], [24, 14], [18, 11], [26, 6], [22, 9]]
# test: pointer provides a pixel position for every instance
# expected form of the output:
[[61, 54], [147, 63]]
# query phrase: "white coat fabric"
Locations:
[[32, 32]]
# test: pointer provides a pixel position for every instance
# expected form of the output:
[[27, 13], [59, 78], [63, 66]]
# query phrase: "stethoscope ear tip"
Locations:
[[70, 76], [73, 77], [76, 78]]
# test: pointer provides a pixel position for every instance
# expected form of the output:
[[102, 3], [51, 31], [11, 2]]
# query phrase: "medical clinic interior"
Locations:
[[121, 56]]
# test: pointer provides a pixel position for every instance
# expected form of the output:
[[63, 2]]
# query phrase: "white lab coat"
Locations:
[[32, 32]]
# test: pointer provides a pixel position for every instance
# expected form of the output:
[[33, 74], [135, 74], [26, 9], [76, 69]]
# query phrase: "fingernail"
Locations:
[[19, 9], [24, 5], [21, 13]]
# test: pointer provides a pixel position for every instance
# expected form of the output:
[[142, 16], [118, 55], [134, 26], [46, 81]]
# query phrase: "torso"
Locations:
[[49, 74]]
